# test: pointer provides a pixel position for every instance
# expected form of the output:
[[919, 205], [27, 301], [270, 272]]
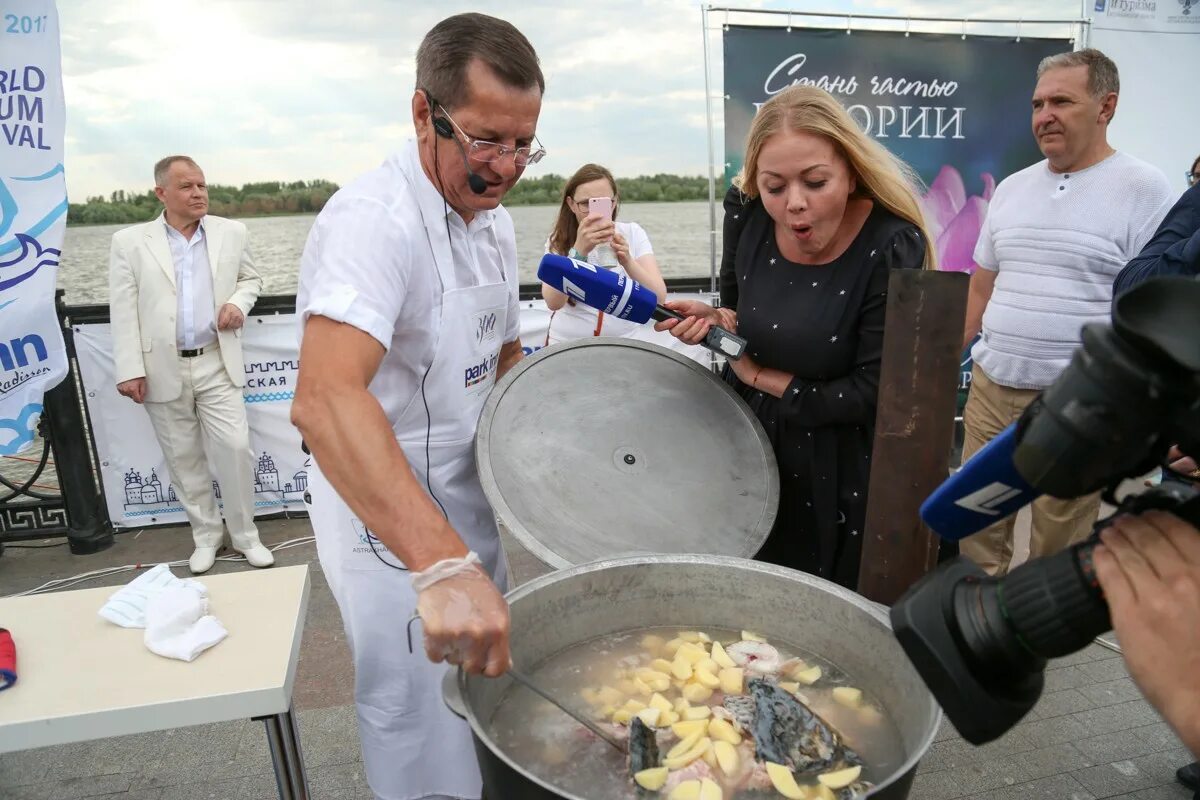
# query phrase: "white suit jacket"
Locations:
[[143, 301]]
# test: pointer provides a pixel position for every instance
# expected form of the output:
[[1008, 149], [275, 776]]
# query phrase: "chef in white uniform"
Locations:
[[408, 301]]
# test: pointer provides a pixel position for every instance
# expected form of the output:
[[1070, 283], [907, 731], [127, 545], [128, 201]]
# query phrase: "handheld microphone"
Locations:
[[441, 126], [624, 298], [985, 490]]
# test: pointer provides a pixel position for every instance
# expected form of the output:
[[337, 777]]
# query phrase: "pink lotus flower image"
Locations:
[[954, 219]]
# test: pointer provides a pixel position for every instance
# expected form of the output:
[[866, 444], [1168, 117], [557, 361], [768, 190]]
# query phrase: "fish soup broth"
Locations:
[[713, 702]]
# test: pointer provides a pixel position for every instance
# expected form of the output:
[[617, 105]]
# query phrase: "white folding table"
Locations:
[[81, 677]]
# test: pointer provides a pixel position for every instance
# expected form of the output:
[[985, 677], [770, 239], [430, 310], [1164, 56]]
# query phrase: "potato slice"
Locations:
[[649, 716], [641, 687], [681, 704], [841, 778], [659, 684], [681, 668], [610, 696], [604, 712], [653, 643], [695, 693], [590, 695], [791, 687], [822, 792], [682, 760], [692, 713], [652, 779], [723, 731], [633, 705], [785, 782], [627, 687], [848, 696], [751, 636], [870, 715], [688, 790], [709, 790], [691, 653], [691, 637], [622, 716], [709, 757], [727, 757], [671, 648], [705, 678], [660, 702], [668, 719], [798, 665], [809, 676], [685, 729], [661, 665], [732, 680], [708, 665], [721, 657], [683, 745]]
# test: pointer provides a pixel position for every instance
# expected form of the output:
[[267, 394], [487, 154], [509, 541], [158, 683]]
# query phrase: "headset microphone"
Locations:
[[441, 126]]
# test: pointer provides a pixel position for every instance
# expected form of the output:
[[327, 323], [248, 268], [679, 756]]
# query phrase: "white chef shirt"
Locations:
[[368, 262], [195, 318]]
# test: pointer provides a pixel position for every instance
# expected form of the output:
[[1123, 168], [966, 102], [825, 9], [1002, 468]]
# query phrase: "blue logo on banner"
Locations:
[[42, 257], [21, 427], [1100, 5]]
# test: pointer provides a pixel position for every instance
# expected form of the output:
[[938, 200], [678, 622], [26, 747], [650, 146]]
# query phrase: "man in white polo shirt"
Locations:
[[1056, 236]]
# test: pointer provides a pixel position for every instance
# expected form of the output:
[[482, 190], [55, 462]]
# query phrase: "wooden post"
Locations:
[[914, 426]]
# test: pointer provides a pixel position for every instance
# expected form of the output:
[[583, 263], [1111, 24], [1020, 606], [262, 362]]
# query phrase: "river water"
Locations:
[[679, 234]]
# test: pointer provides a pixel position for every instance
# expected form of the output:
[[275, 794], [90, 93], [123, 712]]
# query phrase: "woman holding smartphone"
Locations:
[[587, 230], [819, 217]]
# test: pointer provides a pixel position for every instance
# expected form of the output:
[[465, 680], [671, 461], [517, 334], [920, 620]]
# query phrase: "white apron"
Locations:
[[413, 747]]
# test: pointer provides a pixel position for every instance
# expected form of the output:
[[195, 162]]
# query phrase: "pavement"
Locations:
[[1091, 736]]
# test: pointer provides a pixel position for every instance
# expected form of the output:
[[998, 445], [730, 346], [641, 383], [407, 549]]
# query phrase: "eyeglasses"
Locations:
[[485, 152], [1192, 178]]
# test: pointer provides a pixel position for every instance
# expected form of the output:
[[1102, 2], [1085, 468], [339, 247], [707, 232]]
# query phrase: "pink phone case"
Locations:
[[600, 207]]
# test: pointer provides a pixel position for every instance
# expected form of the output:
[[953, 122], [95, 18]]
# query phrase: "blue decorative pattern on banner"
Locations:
[[21, 427], [269, 397]]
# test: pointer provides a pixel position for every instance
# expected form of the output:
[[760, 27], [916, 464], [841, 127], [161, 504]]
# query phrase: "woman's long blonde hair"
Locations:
[[566, 227], [880, 175]]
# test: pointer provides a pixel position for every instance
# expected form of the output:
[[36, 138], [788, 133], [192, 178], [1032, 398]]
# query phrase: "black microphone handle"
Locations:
[[718, 339]]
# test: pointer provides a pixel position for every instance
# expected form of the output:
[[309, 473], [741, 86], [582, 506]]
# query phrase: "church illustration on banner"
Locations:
[[145, 495]]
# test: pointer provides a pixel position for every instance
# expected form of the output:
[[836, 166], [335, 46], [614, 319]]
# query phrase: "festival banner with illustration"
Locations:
[[956, 109], [33, 215]]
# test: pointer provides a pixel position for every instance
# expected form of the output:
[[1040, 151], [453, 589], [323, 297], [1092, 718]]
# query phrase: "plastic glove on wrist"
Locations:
[[465, 619]]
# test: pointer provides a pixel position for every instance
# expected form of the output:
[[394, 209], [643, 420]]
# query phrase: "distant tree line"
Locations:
[[547, 189], [251, 200], [306, 197]]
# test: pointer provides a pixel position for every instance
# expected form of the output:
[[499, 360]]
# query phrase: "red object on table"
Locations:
[[8, 659]]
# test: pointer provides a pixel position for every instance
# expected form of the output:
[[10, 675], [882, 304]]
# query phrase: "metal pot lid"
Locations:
[[609, 447]]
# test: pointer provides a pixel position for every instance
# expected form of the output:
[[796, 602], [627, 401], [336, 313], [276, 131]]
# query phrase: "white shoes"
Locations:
[[203, 559], [258, 556]]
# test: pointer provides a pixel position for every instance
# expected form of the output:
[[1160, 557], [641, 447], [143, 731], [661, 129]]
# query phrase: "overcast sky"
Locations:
[[299, 89]]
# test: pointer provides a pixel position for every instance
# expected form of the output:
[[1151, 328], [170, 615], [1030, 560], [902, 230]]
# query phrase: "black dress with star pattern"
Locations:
[[824, 325]]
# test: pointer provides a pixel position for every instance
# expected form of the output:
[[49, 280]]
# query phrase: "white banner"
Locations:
[[33, 215], [137, 485], [1161, 16]]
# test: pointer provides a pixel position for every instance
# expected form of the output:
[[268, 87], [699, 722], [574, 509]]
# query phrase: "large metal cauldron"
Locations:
[[564, 608]]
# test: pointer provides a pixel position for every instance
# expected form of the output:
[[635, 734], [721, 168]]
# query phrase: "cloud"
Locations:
[[274, 89]]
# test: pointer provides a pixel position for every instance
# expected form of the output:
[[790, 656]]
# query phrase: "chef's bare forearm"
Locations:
[[510, 354], [350, 437]]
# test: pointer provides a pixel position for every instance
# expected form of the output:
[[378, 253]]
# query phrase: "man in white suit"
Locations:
[[180, 287]]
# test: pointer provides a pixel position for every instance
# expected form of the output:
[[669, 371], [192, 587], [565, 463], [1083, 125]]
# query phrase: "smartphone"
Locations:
[[600, 207]]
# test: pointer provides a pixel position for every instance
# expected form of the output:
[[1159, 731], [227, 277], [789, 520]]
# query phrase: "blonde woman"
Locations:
[[822, 216], [577, 234]]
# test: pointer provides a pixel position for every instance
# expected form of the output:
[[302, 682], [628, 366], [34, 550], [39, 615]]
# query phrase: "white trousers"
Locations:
[[206, 425]]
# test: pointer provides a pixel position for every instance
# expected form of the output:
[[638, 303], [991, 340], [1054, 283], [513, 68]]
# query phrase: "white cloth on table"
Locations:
[[173, 611], [178, 624], [127, 606]]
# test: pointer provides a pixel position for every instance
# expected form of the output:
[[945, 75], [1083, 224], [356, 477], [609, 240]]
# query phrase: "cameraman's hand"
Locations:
[[466, 622], [1180, 463], [1149, 568]]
